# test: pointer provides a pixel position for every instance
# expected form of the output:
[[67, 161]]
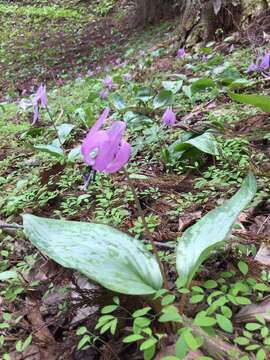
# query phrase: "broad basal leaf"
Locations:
[[260, 101], [105, 255], [63, 131], [118, 101], [202, 84], [173, 86], [144, 93], [50, 149], [136, 120], [75, 154], [240, 84], [211, 230], [7, 275], [205, 143], [164, 98]]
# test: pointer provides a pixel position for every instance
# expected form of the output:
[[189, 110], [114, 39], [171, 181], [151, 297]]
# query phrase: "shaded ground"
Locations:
[[51, 303], [58, 44]]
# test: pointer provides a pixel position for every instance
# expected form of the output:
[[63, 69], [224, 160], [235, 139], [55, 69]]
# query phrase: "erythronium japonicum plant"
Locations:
[[39, 100], [122, 264], [169, 117], [108, 82], [104, 94], [181, 53], [261, 66], [106, 151]]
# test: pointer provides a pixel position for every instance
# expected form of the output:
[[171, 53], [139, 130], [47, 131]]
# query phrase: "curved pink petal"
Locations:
[[181, 53], [91, 143], [252, 68], [36, 114], [121, 158], [110, 147], [117, 128], [169, 117], [265, 63], [100, 121], [41, 96]]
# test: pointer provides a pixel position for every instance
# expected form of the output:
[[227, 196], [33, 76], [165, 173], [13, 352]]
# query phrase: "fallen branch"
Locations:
[[10, 226], [215, 346]]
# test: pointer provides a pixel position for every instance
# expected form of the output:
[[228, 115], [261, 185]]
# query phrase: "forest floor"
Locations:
[[50, 312]]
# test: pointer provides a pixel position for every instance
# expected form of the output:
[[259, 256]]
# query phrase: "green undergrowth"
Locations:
[[174, 175], [52, 41]]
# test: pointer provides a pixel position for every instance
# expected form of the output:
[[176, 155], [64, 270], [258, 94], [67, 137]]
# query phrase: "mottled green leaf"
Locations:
[[164, 98], [205, 143], [109, 257], [212, 230], [260, 101]]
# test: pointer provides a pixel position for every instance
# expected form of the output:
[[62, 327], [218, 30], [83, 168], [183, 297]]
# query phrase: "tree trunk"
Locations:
[[149, 11], [200, 20]]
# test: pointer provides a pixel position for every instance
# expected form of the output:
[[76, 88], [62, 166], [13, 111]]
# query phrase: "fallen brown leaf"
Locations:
[[41, 332]]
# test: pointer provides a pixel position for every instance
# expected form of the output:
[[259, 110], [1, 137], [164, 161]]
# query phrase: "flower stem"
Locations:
[[55, 128], [146, 229]]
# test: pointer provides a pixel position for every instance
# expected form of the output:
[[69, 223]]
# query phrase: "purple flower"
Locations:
[[106, 150], [127, 77], [104, 94], [205, 57], [40, 100], [121, 64], [98, 68], [169, 117], [108, 82], [181, 53], [142, 53], [90, 73], [252, 67], [265, 64], [262, 65]]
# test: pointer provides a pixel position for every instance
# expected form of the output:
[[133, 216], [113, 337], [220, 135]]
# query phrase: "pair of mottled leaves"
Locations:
[[120, 262]]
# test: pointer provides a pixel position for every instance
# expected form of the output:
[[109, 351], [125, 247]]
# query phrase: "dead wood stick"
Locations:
[[215, 346]]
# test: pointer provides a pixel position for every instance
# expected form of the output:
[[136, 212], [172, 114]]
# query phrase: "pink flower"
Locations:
[[106, 150], [90, 73], [265, 63], [262, 65], [181, 53], [127, 77], [108, 82], [142, 53], [252, 67], [104, 94], [169, 117], [40, 100]]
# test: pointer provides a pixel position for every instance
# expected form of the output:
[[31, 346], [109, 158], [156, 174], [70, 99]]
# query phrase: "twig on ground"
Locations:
[[10, 226]]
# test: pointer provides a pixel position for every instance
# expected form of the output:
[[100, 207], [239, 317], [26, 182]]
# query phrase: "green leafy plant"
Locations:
[[260, 101], [199, 240], [128, 273], [190, 147], [55, 149], [107, 246]]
